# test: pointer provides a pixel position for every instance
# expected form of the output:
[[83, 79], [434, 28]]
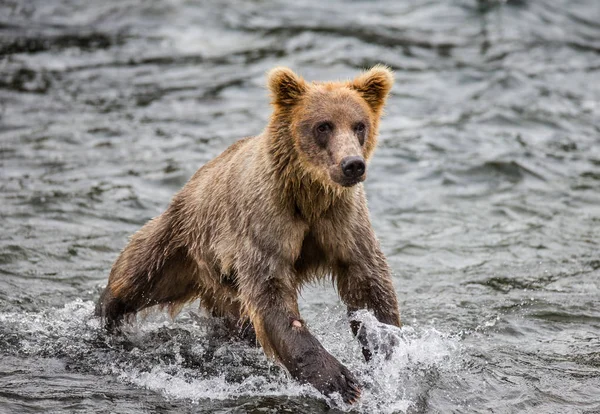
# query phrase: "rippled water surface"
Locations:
[[484, 192]]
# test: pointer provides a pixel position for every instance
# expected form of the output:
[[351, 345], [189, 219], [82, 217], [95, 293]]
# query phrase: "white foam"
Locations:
[[391, 384], [217, 388]]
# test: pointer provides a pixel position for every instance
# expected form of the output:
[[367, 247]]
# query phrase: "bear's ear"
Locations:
[[286, 87], [374, 86]]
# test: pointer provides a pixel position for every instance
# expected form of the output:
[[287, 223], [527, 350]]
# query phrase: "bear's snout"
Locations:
[[353, 167]]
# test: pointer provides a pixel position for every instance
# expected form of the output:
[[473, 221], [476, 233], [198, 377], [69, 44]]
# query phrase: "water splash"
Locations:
[[409, 363], [186, 360]]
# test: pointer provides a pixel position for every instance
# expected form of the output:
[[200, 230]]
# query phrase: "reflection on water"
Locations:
[[484, 192]]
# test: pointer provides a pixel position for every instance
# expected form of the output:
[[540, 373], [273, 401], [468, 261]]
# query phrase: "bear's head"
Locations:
[[333, 125]]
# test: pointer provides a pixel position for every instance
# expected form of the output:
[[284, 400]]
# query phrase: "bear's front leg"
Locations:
[[305, 358], [365, 282], [271, 303]]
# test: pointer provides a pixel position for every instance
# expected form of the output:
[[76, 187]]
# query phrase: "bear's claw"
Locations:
[[348, 387], [320, 369], [352, 393], [343, 383]]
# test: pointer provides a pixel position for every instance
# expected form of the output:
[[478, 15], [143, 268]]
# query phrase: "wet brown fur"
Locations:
[[265, 217]]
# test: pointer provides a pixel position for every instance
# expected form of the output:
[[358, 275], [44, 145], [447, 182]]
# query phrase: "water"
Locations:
[[484, 192]]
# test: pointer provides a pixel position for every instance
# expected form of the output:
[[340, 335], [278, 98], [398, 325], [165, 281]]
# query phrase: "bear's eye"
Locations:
[[324, 127], [359, 130], [323, 132]]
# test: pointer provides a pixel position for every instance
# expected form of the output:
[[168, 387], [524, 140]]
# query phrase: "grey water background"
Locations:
[[484, 192]]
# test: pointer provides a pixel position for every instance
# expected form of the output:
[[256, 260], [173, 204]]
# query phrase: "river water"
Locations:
[[484, 192]]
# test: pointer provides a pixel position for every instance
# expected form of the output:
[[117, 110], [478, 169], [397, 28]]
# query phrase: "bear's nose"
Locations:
[[353, 167]]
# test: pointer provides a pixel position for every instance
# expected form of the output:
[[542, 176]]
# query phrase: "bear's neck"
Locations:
[[298, 191]]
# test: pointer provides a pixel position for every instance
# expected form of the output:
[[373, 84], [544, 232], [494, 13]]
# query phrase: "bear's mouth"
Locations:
[[350, 182], [337, 176]]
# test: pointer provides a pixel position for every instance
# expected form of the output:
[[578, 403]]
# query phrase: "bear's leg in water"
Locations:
[[139, 280], [365, 282], [273, 309]]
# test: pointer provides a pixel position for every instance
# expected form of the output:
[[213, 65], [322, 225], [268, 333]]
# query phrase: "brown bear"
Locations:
[[268, 215]]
